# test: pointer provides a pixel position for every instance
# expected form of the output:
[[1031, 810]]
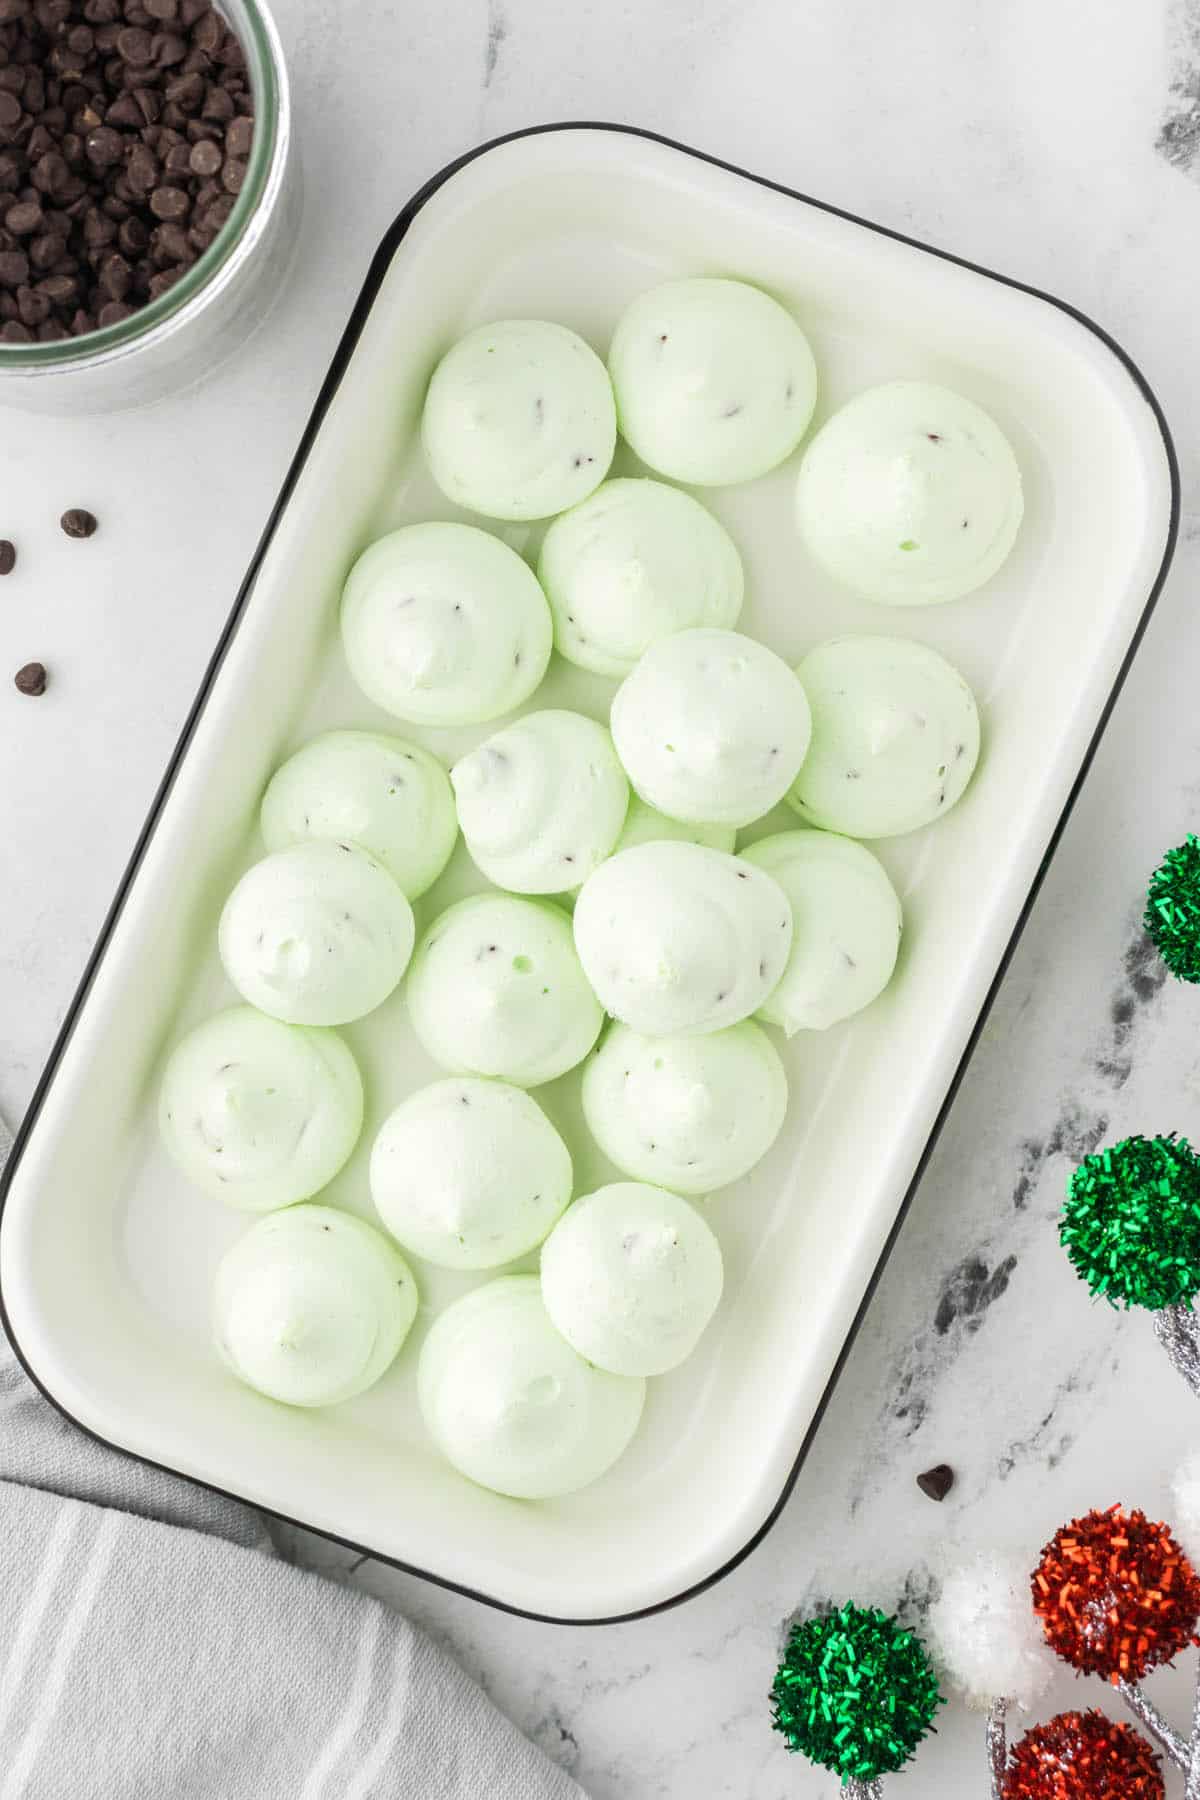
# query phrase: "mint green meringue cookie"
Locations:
[[676, 939], [257, 1113], [469, 1174], [635, 562], [519, 421], [389, 797], [688, 1113], [895, 737], [445, 625], [715, 382], [317, 934], [909, 495], [511, 1405], [311, 1306], [711, 727], [631, 1275], [847, 927], [541, 803], [496, 988]]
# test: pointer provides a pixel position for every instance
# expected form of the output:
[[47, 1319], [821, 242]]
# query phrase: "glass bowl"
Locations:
[[173, 341]]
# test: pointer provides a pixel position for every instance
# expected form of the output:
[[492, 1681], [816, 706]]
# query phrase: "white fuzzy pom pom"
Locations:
[[1185, 1487], [984, 1634]]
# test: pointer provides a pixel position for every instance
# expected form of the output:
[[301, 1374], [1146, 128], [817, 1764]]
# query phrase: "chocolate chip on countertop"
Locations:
[[8, 556], [31, 679], [936, 1482], [78, 522]]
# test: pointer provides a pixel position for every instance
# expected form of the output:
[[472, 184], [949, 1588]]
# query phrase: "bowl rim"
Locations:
[[376, 273]]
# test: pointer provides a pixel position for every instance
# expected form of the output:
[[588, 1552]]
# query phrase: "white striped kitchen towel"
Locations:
[[152, 1648]]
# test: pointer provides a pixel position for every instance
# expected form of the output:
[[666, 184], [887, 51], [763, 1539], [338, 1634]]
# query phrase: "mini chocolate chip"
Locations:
[[205, 158], [135, 46], [125, 112], [166, 11], [50, 173], [10, 110], [112, 312], [14, 268], [31, 679], [170, 50], [24, 218], [232, 176], [115, 277], [239, 137], [98, 229], [44, 252], [8, 556], [169, 244], [149, 104], [103, 147], [177, 160], [186, 92], [132, 236], [164, 279], [14, 332], [77, 522], [142, 170], [60, 289], [34, 308], [936, 1482], [208, 33], [218, 105], [170, 203]]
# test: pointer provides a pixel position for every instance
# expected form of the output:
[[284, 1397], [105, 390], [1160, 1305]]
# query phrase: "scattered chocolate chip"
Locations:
[[936, 1482], [77, 522], [31, 679], [8, 556]]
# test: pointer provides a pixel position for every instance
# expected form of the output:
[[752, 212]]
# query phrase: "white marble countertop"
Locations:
[[1026, 137]]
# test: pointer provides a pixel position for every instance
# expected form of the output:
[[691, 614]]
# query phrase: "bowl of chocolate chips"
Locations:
[[147, 194]]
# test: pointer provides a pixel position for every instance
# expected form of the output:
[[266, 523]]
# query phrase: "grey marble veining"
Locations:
[[1056, 142]]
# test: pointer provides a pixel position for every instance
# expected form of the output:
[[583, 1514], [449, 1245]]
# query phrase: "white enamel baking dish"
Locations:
[[106, 1256]]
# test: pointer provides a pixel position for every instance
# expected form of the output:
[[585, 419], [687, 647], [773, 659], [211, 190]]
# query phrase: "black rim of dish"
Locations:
[[375, 275]]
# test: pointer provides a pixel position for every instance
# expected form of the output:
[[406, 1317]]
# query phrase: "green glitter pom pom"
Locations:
[[1172, 917], [1131, 1225], [855, 1693]]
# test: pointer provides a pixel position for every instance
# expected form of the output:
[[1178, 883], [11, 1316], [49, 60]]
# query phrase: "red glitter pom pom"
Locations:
[[1116, 1595], [1083, 1756]]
